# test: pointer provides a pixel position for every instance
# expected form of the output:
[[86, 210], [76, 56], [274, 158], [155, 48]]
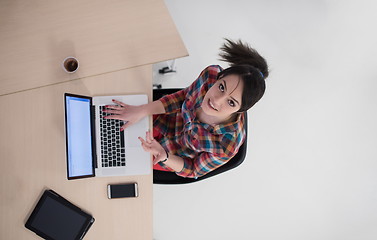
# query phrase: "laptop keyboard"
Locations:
[[112, 141]]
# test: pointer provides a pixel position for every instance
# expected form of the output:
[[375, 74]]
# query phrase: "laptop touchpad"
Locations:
[[113, 171], [133, 133]]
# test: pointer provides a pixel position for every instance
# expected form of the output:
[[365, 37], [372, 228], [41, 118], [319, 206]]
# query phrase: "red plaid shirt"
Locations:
[[202, 146]]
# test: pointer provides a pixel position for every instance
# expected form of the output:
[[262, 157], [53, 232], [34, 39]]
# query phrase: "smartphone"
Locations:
[[122, 190]]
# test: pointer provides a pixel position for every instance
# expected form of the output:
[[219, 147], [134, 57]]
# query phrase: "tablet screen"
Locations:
[[56, 218]]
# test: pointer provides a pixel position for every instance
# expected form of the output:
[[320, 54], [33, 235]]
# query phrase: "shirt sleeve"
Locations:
[[173, 102], [208, 161], [200, 166]]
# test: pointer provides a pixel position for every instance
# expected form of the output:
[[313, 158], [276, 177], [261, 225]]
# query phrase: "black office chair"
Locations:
[[162, 177]]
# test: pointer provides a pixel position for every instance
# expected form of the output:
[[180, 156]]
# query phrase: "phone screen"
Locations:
[[122, 190]]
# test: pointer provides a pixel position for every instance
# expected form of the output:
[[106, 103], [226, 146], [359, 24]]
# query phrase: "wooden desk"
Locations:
[[32, 158], [105, 36]]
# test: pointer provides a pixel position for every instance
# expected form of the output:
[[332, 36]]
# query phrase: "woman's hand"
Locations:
[[152, 146], [128, 113]]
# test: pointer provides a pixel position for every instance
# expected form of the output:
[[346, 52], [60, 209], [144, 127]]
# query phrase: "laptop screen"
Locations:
[[79, 136]]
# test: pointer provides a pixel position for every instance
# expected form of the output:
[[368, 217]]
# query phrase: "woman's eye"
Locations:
[[231, 103], [221, 87]]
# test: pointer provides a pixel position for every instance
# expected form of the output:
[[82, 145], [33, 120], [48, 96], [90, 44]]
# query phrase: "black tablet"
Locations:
[[56, 218]]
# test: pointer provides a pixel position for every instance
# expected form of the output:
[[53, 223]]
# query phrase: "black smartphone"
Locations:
[[122, 190]]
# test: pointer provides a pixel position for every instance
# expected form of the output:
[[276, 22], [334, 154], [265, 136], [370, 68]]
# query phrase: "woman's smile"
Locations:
[[211, 105]]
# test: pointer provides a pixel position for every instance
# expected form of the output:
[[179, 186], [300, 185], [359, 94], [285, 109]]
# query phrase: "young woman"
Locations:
[[201, 127]]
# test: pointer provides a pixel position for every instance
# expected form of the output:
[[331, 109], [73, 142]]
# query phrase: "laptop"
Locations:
[[95, 146]]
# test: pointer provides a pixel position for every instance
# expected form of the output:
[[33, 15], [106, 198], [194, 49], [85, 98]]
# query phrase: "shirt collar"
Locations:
[[230, 127]]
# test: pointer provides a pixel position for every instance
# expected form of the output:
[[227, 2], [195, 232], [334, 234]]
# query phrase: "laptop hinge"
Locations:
[[94, 149]]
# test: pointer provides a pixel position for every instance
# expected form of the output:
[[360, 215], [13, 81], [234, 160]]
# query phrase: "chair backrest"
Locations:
[[162, 177]]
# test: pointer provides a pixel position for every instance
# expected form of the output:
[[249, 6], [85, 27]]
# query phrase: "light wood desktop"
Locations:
[[115, 43], [33, 158], [105, 36]]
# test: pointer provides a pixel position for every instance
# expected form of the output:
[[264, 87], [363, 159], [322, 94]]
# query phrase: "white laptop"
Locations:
[[96, 146]]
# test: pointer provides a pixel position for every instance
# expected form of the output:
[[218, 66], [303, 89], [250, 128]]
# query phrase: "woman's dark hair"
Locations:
[[252, 68]]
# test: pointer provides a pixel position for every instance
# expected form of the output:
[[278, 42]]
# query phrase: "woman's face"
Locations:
[[224, 97]]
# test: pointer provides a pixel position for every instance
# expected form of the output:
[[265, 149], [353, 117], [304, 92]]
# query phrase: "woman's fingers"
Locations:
[[151, 148], [125, 125], [114, 107], [147, 137], [124, 112], [151, 138], [116, 117], [141, 140], [112, 111], [120, 103], [148, 147], [155, 161]]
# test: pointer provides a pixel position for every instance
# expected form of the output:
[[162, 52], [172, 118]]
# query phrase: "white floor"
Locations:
[[310, 171]]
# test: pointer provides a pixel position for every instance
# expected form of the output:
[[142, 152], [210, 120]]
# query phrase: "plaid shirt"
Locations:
[[202, 146]]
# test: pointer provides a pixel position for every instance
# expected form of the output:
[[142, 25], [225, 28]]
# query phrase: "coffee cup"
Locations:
[[70, 64]]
